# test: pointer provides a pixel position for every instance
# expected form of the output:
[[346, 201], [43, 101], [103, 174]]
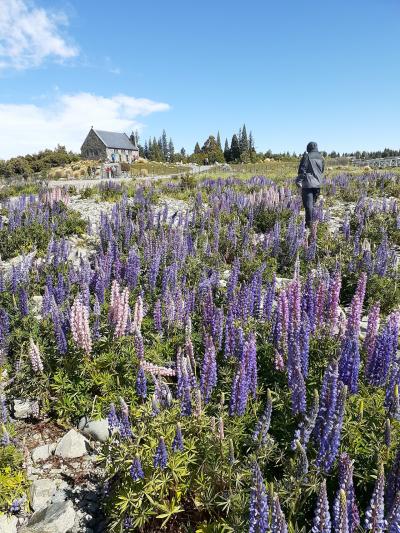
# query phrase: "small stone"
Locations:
[[8, 524], [25, 408], [95, 429], [42, 453], [58, 517], [41, 492], [72, 445], [59, 496]]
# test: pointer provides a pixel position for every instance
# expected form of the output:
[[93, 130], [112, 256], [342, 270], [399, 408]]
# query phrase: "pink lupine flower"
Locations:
[[157, 370], [34, 355], [80, 325], [138, 313]]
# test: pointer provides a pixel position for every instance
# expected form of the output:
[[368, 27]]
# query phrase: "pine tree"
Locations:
[[212, 152], [146, 150], [197, 149], [235, 148], [252, 149], [183, 152], [171, 150], [227, 151], [164, 145], [219, 141], [244, 143]]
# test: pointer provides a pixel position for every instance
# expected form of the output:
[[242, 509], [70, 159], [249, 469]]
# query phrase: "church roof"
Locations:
[[113, 139]]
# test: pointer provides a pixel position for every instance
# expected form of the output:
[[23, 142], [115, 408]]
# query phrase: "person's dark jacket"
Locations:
[[311, 170]]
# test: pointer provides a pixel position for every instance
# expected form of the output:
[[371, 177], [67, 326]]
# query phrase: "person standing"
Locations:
[[309, 179]]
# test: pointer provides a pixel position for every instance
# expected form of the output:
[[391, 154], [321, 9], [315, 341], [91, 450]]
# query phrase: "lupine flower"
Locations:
[[259, 515], [221, 432], [302, 460], [177, 443], [124, 422], [388, 433], [278, 522], [80, 325], [346, 484], [331, 429], [141, 384], [58, 325], [262, 427], [158, 317], [393, 522], [23, 302], [113, 420], [136, 470], [393, 483], [34, 355], [342, 519], [306, 426], [139, 346], [161, 455], [208, 377], [322, 517], [375, 515], [372, 330], [138, 314]]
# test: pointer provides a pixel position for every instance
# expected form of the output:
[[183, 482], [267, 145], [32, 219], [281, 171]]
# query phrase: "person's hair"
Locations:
[[311, 146]]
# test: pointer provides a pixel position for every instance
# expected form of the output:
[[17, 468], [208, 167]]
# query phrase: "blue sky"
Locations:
[[293, 71]]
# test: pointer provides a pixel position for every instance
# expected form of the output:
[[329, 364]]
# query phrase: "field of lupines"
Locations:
[[249, 372]]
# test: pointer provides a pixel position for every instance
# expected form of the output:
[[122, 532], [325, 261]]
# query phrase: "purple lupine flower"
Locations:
[[23, 301], [161, 455], [304, 338], [158, 317], [385, 349], [139, 345], [4, 328], [331, 428], [208, 377], [125, 428], [375, 514], [346, 483], [371, 333], [259, 514], [262, 427], [141, 384], [322, 517], [136, 470], [58, 328], [112, 417], [393, 522], [46, 303], [278, 521], [393, 483], [177, 443], [268, 299], [332, 305], [307, 424], [186, 399], [97, 314]]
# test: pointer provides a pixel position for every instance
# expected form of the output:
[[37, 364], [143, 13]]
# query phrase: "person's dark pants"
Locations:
[[309, 196]]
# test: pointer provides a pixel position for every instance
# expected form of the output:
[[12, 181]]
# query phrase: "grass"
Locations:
[[154, 168]]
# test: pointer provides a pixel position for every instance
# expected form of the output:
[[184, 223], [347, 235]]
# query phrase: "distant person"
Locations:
[[309, 179]]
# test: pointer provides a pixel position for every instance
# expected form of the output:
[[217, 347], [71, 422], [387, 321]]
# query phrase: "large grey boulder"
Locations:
[[58, 517], [41, 492], [96, 429], [42, 453], [72, 445], [25, 408], [8, 524]]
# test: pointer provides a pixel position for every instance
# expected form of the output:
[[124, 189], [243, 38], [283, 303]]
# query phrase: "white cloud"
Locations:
[[27, 128], [31, 34]]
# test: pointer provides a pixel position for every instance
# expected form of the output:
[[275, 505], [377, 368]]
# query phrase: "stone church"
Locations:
[[109, 146]]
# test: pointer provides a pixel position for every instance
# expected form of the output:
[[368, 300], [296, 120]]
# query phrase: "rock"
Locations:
[[41, 492], [59, 496], [42, 453], [72, 445], [25, 408], [58, 517], [96, 429], [8, 524]]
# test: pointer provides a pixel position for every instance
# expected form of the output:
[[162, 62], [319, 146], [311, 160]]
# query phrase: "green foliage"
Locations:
[[13, 483]]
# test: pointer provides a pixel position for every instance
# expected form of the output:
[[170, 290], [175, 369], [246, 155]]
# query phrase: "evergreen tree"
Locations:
[[164, 145], [212, 151], [197, 149], [171, 151], [243, 141], [227, 151], [235, 148], [253, 154], [146, 150], [183, 153], [219, 141]]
